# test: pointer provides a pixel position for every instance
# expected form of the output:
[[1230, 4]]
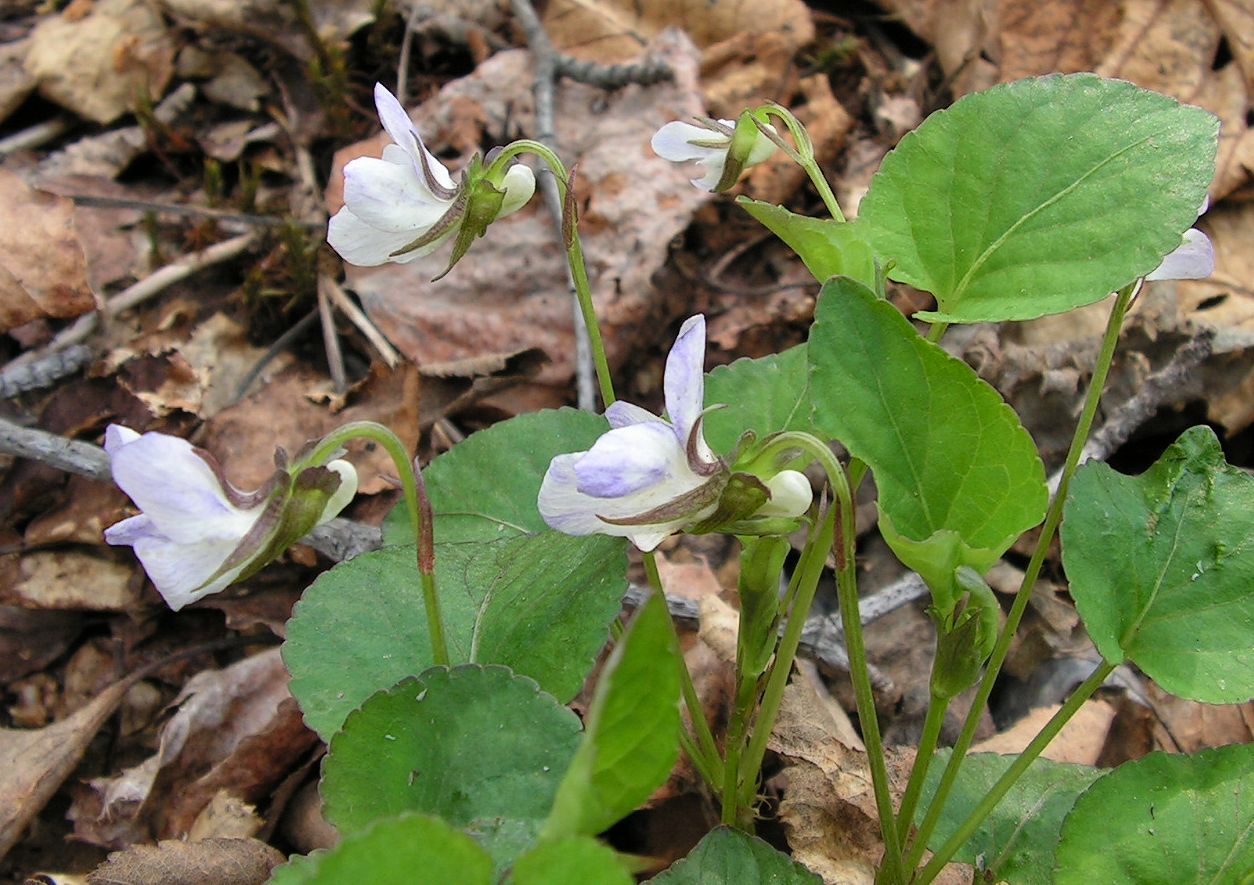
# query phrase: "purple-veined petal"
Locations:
[[390, 198], [631, 459], [176, 489], [684, 381], [624, 414], [1194, 259], [519, 184], [365, 246], [674, 141], [400, 128]]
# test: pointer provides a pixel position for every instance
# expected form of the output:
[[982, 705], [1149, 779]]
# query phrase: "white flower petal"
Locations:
[[181, 572], [714, 166], [400, 128], [631, 459], [1194, 259], [348, 488], [674, 141], [791, 495], [519, 184], [177, 490], [684, 381], [390, 198], [365, 246], [762, 150], [624, 414]]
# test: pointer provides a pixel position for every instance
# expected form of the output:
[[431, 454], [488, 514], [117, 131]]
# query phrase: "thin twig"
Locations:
[[69, 455], [280, 344], [34, 136], [43, 373], [331, 338], [402, 63], [359, 319], [617, 76], [92, 201]]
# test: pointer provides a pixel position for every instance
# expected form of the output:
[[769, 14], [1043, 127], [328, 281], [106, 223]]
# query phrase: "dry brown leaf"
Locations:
[[1184, 726], [225, 817], [43, 272], [510, 291], [33, 764], [238, 729], [1081, 739], [100, 65], [15, 82], [220, 861], [275, 20], [71, 578], [612, 31], [284, 413], [30, 639]]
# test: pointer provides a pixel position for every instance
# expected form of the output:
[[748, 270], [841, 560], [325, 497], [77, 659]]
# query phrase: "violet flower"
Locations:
[[1193, 259], [725, 148], [197, 534]]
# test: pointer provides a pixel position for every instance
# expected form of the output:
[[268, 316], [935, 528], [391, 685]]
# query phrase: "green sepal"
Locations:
[[962, 649], [483, 204]]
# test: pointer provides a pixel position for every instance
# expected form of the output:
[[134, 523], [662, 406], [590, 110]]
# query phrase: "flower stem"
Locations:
[[704, 753], [923, 759], [936, 331], [1013, 773], [746, 694], [574, 255], [410, 481], [1101, 369]]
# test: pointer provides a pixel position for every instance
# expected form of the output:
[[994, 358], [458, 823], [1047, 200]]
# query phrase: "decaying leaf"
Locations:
[[31, 639], [15, 82], [42, 269], [237, 729], [221, 861], [34, 763], [74, 579], [102, 64], [1081, 739], [276, 20]]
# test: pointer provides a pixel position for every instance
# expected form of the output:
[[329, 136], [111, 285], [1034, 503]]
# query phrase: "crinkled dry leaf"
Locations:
[[237, 729], [42, 269], [102, 64], [15, 82], [275, 20], [74, 579], [34, 763], [225, 817], [511, 292], [220, 861]]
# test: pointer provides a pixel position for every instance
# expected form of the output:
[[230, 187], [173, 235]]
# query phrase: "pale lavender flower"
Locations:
[[405, 204], [647, 477], [197, 533], [723, 148]]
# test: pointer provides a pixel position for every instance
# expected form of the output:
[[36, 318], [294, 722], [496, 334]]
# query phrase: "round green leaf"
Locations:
[[1161, 567], [389, 852], [828, 247], [765, 395], [471, 743], [1164, 818], [1039, 196], [541, 604], [1016, 842], [485, 487], [959, 478], [575, 860], [732, 857], [631, 738]]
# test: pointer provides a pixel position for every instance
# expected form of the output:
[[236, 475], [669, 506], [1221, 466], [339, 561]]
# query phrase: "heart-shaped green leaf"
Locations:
[[541, 604], [468, 744], [1039, 196], [765, 395], [959, 478], [726, 855], [1162, 567], [828, 247], [575, 860], [1164, 818]]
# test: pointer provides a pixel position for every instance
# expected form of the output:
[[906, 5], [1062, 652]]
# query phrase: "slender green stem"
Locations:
[[392, 444], [1052, 518], [923, 759], [707, 758], [746, 694], [1012, 774], [847, 594], [574, 256], [936, 331], [825, 190], [806, 580]]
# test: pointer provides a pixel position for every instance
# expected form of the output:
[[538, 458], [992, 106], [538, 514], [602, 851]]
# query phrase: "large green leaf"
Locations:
[[828, 247], [575, 860], [388, 854], [1162, 567], [541, 604], [732, 857], [631, 738], [1039, 196], [765, 395], [468, 744], [1164, 818], [1016, 842], [485, 487], [959, 478]]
